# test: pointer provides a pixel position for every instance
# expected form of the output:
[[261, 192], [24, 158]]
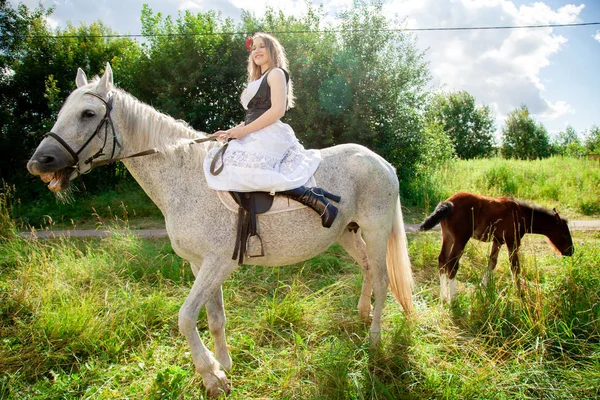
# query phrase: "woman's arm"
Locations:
[[277, 83]]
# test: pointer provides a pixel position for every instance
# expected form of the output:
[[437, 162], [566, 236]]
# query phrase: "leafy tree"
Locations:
[[471, 128], [39, 67], [191, 71], [438, 144], [19, 108], [523, 138], [361, 83], [567, 143], [592, 140]]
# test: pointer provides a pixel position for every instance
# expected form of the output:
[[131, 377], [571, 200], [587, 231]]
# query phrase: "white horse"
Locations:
[[105, 124]]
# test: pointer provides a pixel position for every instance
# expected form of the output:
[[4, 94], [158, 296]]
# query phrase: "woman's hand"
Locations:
[[237, 132], [221, 135]]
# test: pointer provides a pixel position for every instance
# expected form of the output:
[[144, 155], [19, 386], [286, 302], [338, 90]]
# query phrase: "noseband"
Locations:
[[106, 121]]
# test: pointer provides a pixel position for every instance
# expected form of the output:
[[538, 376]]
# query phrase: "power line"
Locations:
[[475, 28]]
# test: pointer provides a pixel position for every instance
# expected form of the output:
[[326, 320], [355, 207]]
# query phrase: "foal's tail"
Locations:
[[398, 263], [442, 211]]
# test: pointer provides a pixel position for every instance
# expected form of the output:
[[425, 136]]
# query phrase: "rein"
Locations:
[[107, 121]]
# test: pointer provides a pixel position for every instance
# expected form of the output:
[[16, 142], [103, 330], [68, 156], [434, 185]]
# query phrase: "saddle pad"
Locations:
[[280, 203]]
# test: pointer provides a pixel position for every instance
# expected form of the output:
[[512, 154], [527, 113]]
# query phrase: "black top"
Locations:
[[261, 101]]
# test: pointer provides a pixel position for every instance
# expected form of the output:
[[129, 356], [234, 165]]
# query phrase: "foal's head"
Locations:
[[560, 236]]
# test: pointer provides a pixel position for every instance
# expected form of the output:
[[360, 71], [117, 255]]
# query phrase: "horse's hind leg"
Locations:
[[355, 246], [376, 242], [448, 260]]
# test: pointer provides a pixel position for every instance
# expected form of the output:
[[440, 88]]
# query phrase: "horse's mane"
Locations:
[[535, 209], [153, 129], [150, 128]]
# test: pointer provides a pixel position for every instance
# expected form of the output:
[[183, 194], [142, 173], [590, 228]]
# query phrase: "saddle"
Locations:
[[250, 205]]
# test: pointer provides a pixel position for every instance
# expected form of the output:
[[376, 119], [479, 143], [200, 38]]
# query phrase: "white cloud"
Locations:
[[290, 7], [191, 5], [597, 36], [501, 68]]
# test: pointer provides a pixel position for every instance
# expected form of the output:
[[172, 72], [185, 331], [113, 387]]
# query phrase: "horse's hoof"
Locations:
[[365, 316], [217, 385], [365, 312]]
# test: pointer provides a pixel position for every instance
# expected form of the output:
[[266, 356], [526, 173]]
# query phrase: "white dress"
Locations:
[[268, 160]]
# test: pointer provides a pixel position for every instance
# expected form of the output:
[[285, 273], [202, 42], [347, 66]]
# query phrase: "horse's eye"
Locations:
[[88, 114]]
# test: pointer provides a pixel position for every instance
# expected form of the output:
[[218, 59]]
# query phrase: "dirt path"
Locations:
[[586, 225]]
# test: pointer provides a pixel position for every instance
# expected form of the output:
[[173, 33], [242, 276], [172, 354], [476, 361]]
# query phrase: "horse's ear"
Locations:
[[81, 79], [106, 82], [556, 215]]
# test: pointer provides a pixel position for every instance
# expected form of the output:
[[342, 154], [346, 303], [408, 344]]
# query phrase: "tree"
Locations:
[[592, 140], [361, 82], [190, 71], [38, 69], [523, 138], [471, 128], [19, 108], [567, 143]]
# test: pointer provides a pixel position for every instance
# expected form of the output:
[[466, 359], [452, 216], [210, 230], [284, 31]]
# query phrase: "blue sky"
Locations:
[[555, 72]]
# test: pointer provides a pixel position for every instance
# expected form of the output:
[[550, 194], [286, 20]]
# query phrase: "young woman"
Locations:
[[266, 155]]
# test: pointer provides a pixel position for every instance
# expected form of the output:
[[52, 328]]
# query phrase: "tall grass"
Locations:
[[572, 183], [97, 319]]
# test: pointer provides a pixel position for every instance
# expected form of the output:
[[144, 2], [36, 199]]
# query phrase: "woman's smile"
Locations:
[[260, 55]]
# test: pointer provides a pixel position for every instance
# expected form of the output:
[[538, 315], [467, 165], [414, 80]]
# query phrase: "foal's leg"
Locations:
[[215, 313], [492, 262], [209, 278], [443, 257], [515, 267], [376, 242], [451, 267], [356, 248]]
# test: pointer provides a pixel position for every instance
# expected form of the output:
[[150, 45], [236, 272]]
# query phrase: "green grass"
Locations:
[[78, 210], [97, 318], [572, 185]]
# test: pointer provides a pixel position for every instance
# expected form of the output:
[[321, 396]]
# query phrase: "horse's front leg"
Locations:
[[215, 312], [515, 267], [209, 277], [492, 262]]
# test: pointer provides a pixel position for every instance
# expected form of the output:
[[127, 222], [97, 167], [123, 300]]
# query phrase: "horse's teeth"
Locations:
[[47, 177]]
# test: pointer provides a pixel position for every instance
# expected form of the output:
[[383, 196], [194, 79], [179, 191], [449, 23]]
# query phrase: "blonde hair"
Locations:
[[277, 59]]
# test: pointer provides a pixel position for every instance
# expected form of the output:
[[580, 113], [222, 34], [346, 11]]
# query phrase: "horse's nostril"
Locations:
[[46, 159]]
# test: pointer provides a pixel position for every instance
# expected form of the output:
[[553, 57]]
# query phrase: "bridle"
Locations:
[[107, 122]]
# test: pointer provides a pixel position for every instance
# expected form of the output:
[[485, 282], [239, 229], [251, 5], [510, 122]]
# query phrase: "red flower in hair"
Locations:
[[249, 42]]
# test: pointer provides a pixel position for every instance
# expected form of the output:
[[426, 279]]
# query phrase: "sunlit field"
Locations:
[[97, 318]]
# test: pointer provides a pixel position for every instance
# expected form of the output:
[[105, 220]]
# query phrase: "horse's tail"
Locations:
[[398, 263], [442, 211]]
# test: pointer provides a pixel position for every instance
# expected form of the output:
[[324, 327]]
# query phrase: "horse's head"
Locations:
[[561, 236], [82, 133]]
